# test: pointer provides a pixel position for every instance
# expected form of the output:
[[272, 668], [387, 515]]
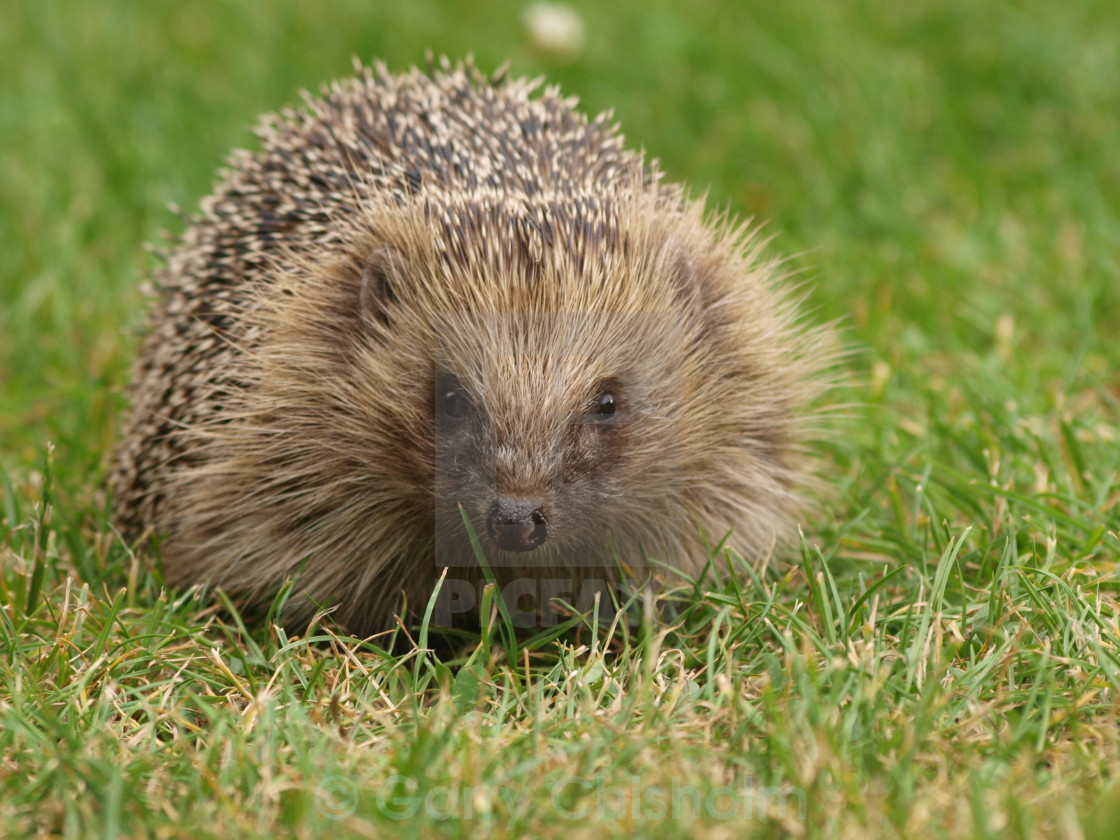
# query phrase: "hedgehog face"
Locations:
[[546, 414], [554, 434]]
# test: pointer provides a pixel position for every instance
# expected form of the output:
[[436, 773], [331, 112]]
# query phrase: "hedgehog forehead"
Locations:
[[556, 360], [512, 344], [536, 390]]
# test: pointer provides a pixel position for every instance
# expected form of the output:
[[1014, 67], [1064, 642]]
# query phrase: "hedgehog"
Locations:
[[442, 329]]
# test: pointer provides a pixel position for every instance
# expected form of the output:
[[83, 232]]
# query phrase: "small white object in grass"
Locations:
[[1005, 333], [554, 27], [880, 375]]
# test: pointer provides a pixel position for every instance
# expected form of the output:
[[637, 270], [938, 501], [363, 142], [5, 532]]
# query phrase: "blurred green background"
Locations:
[[946, 173]]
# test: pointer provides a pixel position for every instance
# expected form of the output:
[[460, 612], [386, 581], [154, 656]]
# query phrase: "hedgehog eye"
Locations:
[[605, 408], [454, 403]]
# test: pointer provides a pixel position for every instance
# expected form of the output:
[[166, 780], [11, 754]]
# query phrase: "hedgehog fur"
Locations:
[[437, 296]]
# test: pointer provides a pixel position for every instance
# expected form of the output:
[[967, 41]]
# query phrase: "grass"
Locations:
[[943, 662]]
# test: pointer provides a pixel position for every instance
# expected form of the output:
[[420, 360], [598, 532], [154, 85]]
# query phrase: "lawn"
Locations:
[[942, 659]]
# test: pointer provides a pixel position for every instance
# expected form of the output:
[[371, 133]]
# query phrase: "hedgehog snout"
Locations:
[[517, 524]]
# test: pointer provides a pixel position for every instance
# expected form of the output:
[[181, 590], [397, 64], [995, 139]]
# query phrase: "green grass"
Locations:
[[945, 660]]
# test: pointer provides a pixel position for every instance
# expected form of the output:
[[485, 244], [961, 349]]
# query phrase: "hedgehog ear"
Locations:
[[697, 281], [681, 267], [380, 277]]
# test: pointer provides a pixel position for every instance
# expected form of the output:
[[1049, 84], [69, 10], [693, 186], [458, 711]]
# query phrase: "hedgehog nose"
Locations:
[[517, 524]]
